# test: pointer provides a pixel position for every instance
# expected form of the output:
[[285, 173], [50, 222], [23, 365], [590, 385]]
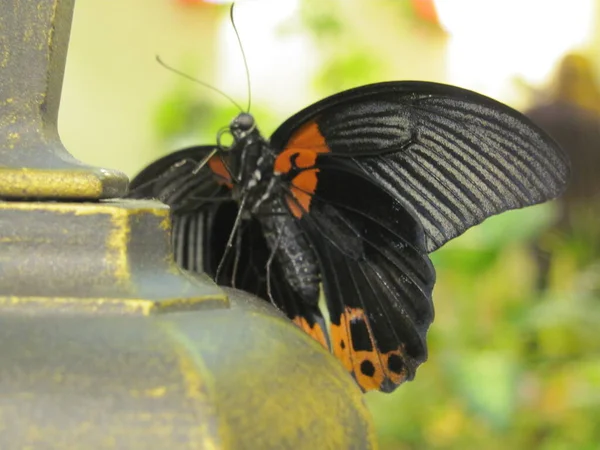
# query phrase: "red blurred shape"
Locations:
[[425, 9]]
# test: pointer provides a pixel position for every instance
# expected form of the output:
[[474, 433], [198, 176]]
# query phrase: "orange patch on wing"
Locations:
[[295, 208], [303, 186], [315, 331], [302, 149], [370, 368], [216, 165], [304, 159], [308, 136]]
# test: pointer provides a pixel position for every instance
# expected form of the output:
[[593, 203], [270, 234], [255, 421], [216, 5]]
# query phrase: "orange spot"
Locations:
[[303, 185], [218, 168], [353, 360], [308, 136], [294, 208], [302, 148], [315, 331], [340, 343]]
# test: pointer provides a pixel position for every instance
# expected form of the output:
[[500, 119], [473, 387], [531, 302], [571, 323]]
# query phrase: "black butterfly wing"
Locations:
[[381, 175], [377, 278], [200, 200], [175, 180], [453, 156], [203, 215]]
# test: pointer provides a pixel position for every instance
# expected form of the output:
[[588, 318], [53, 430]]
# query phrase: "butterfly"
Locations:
[[351, 195]]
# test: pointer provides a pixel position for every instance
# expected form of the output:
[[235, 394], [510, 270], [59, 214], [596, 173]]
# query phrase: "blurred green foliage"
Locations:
[[510, 365], [186, 118], [349, 62]]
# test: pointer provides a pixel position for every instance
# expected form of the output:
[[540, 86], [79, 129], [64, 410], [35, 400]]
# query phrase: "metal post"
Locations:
[[106, 343], [35, 164]]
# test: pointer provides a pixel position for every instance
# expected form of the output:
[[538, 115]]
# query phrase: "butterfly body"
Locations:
[[298, 261], [248, 167], [352, 194]]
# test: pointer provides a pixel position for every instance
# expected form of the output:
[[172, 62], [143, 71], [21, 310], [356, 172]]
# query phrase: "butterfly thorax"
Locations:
[[250, 160]]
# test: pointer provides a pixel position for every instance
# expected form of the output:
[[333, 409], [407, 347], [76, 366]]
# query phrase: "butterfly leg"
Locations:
[[204, 161], [234, 230], [236, 261]]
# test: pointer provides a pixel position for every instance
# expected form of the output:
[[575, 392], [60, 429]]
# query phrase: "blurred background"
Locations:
[[515, 348]]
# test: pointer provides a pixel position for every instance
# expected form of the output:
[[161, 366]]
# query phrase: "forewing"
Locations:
[[200, 201], [453, 156], [179, 181]]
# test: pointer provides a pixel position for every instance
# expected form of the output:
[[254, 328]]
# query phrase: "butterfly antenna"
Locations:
[[185, 75], [237, 35]]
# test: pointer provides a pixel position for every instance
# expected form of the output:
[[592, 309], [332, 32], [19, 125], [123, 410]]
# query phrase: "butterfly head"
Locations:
[[244, 153], [242, 126]]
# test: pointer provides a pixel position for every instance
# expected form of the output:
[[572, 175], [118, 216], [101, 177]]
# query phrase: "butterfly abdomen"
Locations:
[[292, 250]]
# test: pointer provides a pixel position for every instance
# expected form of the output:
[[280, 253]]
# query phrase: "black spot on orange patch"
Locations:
[[352, 358], [397, 372], [359, 333], [372, 369], [367, 368], [395, 363]]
